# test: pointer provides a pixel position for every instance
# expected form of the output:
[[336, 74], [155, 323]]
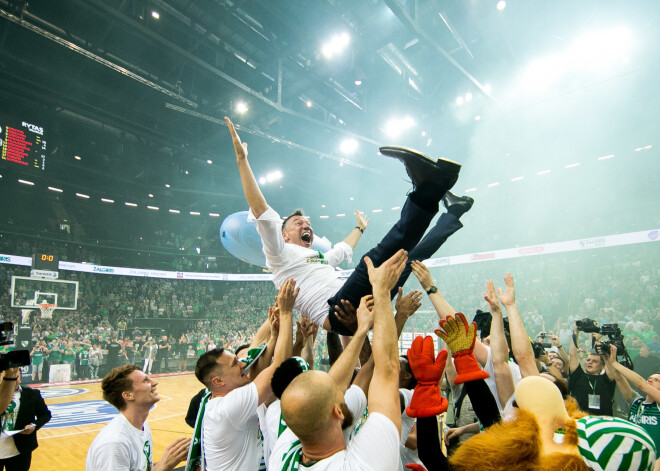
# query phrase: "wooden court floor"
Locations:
[[66, 447]]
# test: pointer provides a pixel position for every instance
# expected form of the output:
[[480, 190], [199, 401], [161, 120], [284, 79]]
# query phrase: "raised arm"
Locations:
[[384, 388], [573, 355], [498, 346], [253, 195], [441, 305], [405, 307], [360, 225], [520, 344], [342, 369], [285, 301], [622, 379]]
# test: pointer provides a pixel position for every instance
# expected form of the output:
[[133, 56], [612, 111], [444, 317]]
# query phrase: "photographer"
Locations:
[[593, 387]]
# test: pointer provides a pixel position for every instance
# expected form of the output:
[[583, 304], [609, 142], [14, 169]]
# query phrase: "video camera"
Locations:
[[614, 337], [14, 359], [543, 336]]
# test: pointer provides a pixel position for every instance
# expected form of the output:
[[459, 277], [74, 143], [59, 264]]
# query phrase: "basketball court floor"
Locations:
[[79, 412]]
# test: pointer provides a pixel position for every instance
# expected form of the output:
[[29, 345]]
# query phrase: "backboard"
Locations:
[[27, 292]]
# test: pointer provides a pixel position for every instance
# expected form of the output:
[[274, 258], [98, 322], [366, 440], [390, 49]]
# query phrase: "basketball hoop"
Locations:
[[47, 310]]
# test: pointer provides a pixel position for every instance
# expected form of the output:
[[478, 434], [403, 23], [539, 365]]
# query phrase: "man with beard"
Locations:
[[313, 404]]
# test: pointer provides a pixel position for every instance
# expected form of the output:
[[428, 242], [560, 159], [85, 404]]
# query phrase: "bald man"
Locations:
[[314, 409]]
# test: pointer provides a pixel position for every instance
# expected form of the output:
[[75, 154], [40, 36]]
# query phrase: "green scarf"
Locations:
[[195, 460]]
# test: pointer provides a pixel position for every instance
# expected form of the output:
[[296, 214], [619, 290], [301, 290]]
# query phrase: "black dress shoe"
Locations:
[[457, 205], [423, 170]]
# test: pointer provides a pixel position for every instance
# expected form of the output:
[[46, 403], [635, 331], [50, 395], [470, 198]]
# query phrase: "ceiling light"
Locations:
[[309, 104], [153, 208], [262, 180], [491, 185], [186, 172], [81, 195], [351, 198], [52, 188], [26, 182], [501, 5], [77, 157], [324, 217], [488, 88], [174, 211], [394, 208], [155, 14], [396, 126], [348, 146], [209, 161], [358, 82], [336, 45], [477, 118], [214, 215], [468, 96], [241, 107], [470, 190], [572, 165], [151, 195], [130, 204], [605, 157], [167, 185], [543, 172], [194, 213], [106, 200], [376, 210], [517, 179], [459, 100], [323, 206], [341, 215], [273, 176]]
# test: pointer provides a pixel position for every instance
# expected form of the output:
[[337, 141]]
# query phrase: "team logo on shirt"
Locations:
[[81, 413], [53, 393]]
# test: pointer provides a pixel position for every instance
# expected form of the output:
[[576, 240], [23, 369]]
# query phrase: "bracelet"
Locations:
[[359, 229], [9, 379]]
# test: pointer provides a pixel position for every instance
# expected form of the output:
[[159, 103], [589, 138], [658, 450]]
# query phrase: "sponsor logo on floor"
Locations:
[[48, 393], [73, 414]]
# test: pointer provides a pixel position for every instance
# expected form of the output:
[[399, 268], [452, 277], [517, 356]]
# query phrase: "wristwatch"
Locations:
[[431, 290]]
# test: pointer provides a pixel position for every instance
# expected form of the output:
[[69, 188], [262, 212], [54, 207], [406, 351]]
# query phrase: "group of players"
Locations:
[[265, 407]]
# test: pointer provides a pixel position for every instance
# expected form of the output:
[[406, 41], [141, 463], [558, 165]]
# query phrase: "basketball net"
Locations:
[[47, 310]]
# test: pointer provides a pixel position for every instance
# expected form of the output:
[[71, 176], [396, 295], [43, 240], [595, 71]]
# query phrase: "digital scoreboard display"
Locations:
[[23, 145]]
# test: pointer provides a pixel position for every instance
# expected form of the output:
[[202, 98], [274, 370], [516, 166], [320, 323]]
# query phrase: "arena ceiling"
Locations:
[[137, 89]]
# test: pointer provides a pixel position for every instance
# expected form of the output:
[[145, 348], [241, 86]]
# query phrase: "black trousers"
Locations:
[[17, 463]]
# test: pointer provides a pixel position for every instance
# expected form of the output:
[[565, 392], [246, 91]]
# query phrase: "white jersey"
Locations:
[[375, 447], [355, 400], [230, 433], [120, 446], [313, 271], [406, 454], [490, 381]]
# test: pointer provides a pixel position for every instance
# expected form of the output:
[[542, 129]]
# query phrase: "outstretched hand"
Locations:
[[365, 313], [362, 220], [491, 298], [387, 274], [407, 305], [508, 298], [286, 297], [347, 315], [239, 147], [422, 273], [175, 453]]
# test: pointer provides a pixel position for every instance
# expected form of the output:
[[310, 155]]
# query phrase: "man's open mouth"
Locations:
[[306, 236]]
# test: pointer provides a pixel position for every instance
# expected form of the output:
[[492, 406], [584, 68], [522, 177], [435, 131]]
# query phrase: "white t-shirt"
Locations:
[[121, 447], [7, 444], [375, 447], [406, 454], [230, 433], [355, 400], [490, 381], [314, 272]]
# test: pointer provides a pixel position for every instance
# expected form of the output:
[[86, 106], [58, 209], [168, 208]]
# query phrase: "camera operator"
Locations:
[[593, 387]]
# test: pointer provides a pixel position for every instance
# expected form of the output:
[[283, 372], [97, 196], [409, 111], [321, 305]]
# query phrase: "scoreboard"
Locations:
[[23, 145]]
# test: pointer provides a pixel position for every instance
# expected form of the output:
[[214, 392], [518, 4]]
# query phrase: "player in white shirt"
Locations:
[[231, 438], [125, 443], [288, 246], [314, 409]]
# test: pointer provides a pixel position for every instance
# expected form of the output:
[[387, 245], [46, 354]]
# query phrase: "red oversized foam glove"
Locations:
[[426, 400], [415, 467], [460, 339]]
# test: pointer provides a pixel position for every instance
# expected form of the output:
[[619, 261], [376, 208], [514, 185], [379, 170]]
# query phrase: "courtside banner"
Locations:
[[527, 251]]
